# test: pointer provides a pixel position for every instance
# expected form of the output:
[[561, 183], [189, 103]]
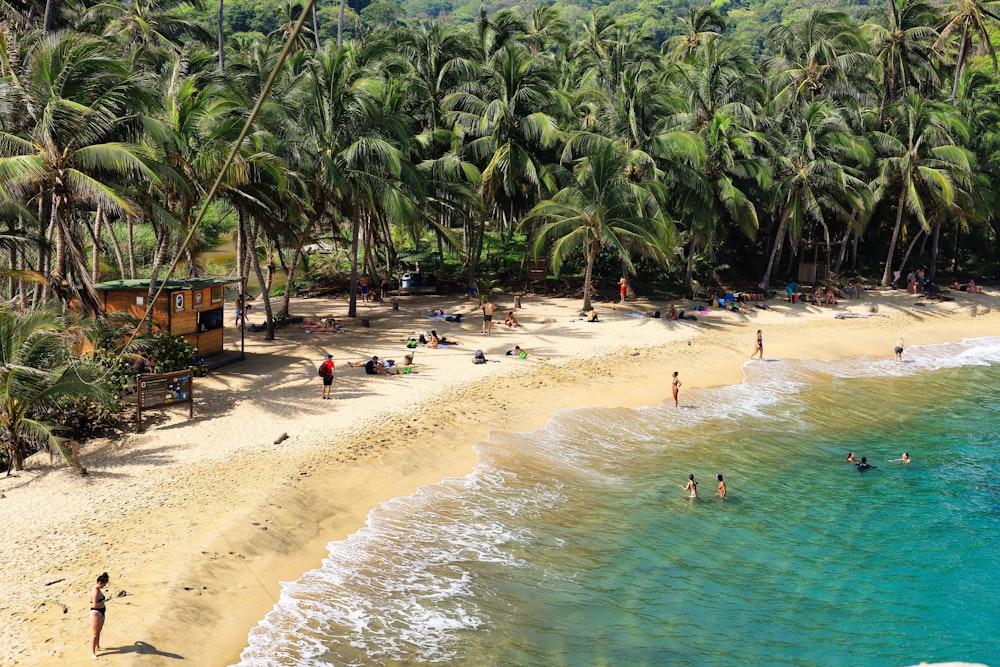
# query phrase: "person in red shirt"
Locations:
[[326, 372]]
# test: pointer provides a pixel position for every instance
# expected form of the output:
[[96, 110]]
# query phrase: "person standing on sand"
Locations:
[[759, 350], [97, 611], [722, 487], [899, 349], [326, 372], [622, 288], [365, 291], [692, 487], [488, 308], [676, 386]]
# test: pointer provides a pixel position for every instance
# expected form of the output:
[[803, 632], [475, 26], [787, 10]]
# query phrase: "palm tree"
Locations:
[[820, 56], [904, 48], [970, 16], [699, 24], [600, 207], [921, 159], [74, 98], [38, 372], [813, 176], [507, 119]]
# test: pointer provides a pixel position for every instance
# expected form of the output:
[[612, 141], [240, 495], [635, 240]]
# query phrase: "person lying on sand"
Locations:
[[435, 341], [521, 354], [372, 367]]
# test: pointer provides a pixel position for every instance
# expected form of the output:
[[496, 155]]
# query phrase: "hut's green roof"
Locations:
[[143, 283]]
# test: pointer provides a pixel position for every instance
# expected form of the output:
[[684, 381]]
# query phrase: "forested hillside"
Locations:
[[565, 135]]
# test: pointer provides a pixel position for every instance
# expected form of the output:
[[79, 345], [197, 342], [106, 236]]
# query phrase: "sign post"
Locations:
[[159, 390]]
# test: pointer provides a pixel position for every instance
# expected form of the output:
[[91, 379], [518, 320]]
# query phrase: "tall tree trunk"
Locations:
[[290, 270], [222, 40], [909, 249], [352, 308], [779, 238], [117, 248], [315, 26], [340, 24], [50, 11], [162, 244], [963, 54], [887, 274], [843, 250], [689, 270], [130, 239], [588, 275], [475, 250], [932, 269], [265, 297], [95, 255]]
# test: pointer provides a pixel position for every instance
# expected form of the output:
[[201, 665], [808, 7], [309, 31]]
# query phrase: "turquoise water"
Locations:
[[574, 545]]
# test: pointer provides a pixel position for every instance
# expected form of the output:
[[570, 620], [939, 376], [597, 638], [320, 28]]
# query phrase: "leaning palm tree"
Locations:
[[813, 174], [602, 206], [922, 156], [971, 17], [38, 371], [74, 99]]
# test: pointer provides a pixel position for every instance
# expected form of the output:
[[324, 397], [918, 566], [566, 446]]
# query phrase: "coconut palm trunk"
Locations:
[[887, 274]]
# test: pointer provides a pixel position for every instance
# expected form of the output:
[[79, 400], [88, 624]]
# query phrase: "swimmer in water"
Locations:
[[851, 459], [692, 487], [864, 465], [722, 487], [904, 459]]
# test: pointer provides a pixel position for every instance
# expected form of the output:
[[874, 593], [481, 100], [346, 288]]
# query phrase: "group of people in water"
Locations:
[[691, 488], [863, 464]]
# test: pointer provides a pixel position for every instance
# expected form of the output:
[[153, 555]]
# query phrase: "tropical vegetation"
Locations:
[[686, 146]]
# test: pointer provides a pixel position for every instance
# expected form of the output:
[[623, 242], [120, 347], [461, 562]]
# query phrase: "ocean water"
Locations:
[[575, 545]]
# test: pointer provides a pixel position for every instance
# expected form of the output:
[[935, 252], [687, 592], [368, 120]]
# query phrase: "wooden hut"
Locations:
[[192, 308]]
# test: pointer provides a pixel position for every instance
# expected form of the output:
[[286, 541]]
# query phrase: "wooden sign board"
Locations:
[[160, 390]]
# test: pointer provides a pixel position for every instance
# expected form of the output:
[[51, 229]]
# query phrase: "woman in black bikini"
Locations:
[[97, 612], [676, 387]]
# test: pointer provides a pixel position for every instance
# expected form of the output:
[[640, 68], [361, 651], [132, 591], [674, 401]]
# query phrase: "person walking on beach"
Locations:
[[488, 308], [899, 349], [759, 350], [326, 372], [676, 386], [722, 487], [97, 611], [622, 288], [692, 487]]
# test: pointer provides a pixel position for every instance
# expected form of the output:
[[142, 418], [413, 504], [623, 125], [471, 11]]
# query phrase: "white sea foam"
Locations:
[[402, 589]]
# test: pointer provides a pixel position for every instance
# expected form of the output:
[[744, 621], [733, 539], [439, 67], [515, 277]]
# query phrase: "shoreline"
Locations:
[[213, 515]]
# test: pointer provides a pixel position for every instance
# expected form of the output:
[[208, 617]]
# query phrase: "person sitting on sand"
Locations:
[[511, 321], [592, 315], [521, 354], [831, 298], [672, 313], [818, 295], [372, 367], [479, 357], [436, 341]]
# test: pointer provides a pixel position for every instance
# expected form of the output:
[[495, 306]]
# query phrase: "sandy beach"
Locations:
[[197, 521]]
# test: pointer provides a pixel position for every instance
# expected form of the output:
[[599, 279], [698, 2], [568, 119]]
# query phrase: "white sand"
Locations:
[[197, 521]]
